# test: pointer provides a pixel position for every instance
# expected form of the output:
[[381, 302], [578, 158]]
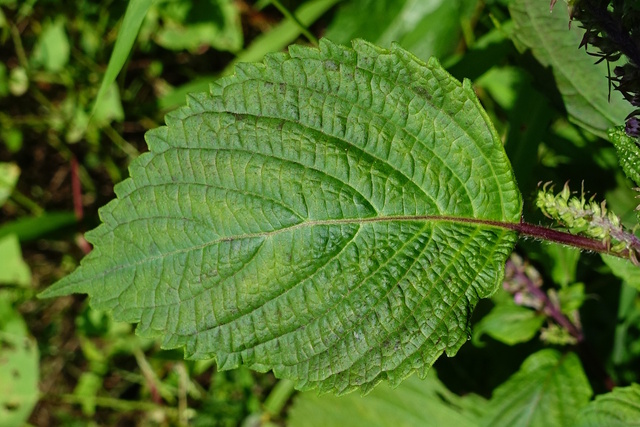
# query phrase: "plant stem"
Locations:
[[557, 236], [549, 307], [292, 17], [554, 312], [278, 397], [581, 242], [118, 404]]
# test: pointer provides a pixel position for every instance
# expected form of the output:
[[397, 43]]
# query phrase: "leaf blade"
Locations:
[[326, 215], [618, 408], [582, 83]]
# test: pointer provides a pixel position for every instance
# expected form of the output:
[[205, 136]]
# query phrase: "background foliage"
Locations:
[[63, 152]]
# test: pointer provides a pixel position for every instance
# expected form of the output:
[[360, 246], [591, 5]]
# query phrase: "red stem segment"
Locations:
[[549, 234]]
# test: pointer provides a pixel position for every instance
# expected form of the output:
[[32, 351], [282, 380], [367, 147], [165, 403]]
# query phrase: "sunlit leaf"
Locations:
[[425, 28], [333, 214]]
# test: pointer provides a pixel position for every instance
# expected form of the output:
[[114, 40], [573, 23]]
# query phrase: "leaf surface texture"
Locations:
[[619, 408], [329, 214]]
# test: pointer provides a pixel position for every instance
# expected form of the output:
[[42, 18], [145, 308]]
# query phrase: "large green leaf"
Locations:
[[549, 390], [425, 403], [620, 408], [583, 84], [333, 214]]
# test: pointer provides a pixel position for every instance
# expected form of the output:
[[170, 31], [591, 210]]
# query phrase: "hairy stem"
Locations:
[[580, 242]]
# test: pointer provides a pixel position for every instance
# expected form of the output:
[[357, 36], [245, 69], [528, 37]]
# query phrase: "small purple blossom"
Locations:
[[632, 127]]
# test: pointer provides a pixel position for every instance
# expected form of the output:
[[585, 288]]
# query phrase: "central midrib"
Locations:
[[514, 226]]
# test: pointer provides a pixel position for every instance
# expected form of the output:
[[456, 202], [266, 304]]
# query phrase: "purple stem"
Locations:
[[551, 309]]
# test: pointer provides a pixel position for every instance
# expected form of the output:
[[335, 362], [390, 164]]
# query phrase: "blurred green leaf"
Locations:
[[564, 263], [9, 173], [177, 96], [619, 408], [489, 50], [283, 34], [109, 109], [12, 138], [52, 49], [133, 17], [4, 80], [18, 81], [18, 369], [426, 28], [13, 269], [274, 40], [190, 25], [509, 323], [548, 391], [415, 402], [86, 390], [624, 269], [583, 84], [31, 228], [528, 116], [571, 298]]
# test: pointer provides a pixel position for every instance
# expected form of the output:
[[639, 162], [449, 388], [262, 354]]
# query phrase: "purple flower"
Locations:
[[632, 127]]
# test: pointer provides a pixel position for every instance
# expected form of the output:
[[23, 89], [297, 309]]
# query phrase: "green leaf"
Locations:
[[619, 408], [52, 49], [13, 269], [623, 269], [547, 391], [9, 173], [282, 34], [510, 324], [190, 25], [18, 368], [414, 403], [333, 214], [274, 40], [564, 263], [31, 228], [133, 17], [583, 85], [571, 298], [426, 28]]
